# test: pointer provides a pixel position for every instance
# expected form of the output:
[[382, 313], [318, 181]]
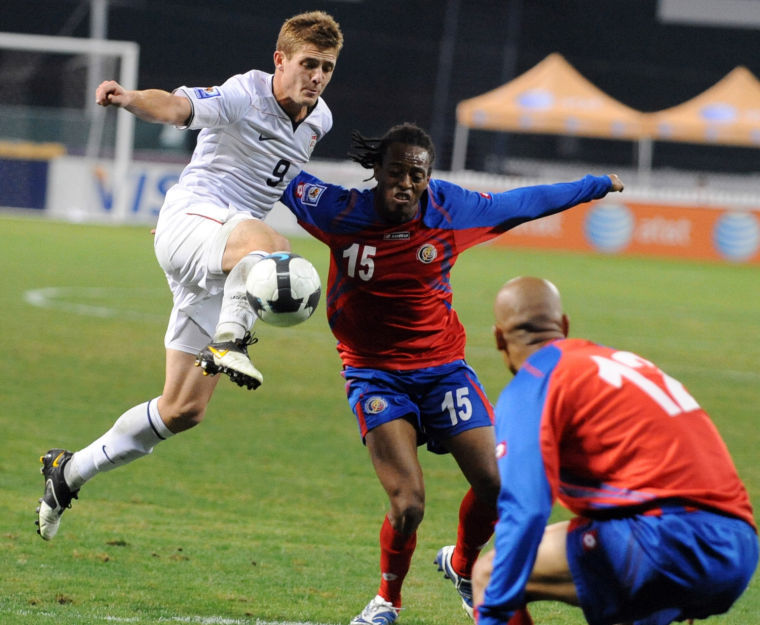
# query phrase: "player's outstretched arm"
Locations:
[[617, 184], [151, 105]]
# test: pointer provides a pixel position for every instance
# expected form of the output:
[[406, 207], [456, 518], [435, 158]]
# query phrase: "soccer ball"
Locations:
[[283, 289]]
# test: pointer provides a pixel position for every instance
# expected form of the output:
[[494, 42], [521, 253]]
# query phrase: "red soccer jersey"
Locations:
[[608, 434], [618, 431], [389, 292]]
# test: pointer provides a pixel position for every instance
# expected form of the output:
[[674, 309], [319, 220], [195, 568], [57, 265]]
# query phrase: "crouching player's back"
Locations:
[[665, 530]]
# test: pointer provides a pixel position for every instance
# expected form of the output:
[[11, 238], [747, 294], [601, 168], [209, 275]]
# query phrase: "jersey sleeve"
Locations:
[[315, 203], [526, 495], [487, 215], [217, 106]]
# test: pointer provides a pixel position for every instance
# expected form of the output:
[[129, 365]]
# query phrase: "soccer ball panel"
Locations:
[[283, 289]]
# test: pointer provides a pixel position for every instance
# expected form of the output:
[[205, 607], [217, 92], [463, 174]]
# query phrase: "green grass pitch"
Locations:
[[269, 511]]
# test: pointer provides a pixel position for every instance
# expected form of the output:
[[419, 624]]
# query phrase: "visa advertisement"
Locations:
[[82, 189]]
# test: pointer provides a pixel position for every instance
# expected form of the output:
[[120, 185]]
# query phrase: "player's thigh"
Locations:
[[551, 578], [473, 450], [392, 448], [197, 242], [249, 235]]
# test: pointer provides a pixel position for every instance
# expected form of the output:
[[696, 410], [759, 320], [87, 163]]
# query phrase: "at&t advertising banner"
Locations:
[[612, 226]]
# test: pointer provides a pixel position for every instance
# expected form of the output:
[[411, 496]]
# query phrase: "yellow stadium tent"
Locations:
[[728, 113], [551, 98]]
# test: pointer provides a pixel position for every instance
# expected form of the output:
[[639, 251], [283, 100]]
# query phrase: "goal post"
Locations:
[[128, 54]]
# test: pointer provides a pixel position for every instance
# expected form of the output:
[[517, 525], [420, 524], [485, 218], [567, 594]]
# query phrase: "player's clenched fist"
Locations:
[[110, 92], [617, 184]]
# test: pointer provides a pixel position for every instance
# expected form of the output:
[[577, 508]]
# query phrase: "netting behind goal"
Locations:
[[48, 97]]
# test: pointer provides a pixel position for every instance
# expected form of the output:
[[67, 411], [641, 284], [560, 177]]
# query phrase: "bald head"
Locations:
[[528, 314]]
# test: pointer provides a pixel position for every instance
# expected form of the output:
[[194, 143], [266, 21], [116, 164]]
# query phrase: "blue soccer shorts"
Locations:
[[654, 570], [441, 401]]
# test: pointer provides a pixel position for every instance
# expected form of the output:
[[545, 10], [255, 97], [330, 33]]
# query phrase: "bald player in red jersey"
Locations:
[[665, 530]]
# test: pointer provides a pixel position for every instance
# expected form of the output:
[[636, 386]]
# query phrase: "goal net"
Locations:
[[48, 101]]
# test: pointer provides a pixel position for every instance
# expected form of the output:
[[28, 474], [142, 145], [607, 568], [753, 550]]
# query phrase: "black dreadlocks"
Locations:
[[369, 152]]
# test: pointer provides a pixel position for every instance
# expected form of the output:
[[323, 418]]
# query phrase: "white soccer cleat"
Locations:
[[461, 583], [231, 358], [377, 612]]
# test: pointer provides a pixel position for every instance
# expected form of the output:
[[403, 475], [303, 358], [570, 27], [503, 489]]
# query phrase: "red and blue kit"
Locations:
[[625, 447], [389, 292]]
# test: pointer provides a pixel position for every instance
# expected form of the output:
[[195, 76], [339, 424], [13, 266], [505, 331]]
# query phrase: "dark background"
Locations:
[[396, 64]]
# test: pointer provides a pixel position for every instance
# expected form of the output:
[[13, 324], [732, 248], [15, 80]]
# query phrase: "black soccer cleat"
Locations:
[[231, 358], [57, 496]]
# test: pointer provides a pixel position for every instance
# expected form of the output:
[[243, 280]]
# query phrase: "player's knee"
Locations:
[[280, 243], [180, 417], [487, 488], [407, 515]]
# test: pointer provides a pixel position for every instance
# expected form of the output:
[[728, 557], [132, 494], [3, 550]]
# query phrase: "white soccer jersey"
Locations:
[[247, 150]]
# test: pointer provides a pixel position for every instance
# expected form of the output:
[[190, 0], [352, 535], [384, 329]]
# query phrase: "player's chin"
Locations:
[[399, 212], [309, 98]]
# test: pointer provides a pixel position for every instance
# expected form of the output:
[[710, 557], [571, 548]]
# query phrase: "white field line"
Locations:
[[60, 298], [70, 299]]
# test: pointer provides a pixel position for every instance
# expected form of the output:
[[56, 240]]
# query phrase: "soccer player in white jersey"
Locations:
[[258, 131]]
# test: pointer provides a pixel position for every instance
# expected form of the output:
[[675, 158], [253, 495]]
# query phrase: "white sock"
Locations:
[[134, 435], [236, 316]]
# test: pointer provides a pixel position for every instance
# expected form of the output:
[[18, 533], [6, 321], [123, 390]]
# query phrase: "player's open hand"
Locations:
[[617, 184], [110, 93]]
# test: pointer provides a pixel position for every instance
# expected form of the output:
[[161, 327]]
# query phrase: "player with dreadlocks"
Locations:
[[401, 343]]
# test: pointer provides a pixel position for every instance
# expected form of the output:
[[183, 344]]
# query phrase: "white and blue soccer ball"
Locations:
[[283, 289]]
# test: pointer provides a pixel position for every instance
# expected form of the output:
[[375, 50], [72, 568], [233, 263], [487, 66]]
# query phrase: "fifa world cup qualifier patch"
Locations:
[[310, 193], [206, 92]]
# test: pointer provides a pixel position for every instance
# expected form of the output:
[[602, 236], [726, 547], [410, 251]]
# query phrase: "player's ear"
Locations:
[[501, 344], [565, 325], [279, 58]]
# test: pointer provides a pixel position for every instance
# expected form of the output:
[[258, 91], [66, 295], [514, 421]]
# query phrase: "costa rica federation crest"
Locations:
[[427, 253], [375, 405]]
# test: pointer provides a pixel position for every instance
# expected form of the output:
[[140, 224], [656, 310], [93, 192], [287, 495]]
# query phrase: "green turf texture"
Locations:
[[269, 510]]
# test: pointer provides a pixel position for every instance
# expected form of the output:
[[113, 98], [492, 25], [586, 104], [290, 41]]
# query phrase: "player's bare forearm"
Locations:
[[150, 105]]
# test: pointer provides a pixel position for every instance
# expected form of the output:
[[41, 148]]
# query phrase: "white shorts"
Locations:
[[191, 236]]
